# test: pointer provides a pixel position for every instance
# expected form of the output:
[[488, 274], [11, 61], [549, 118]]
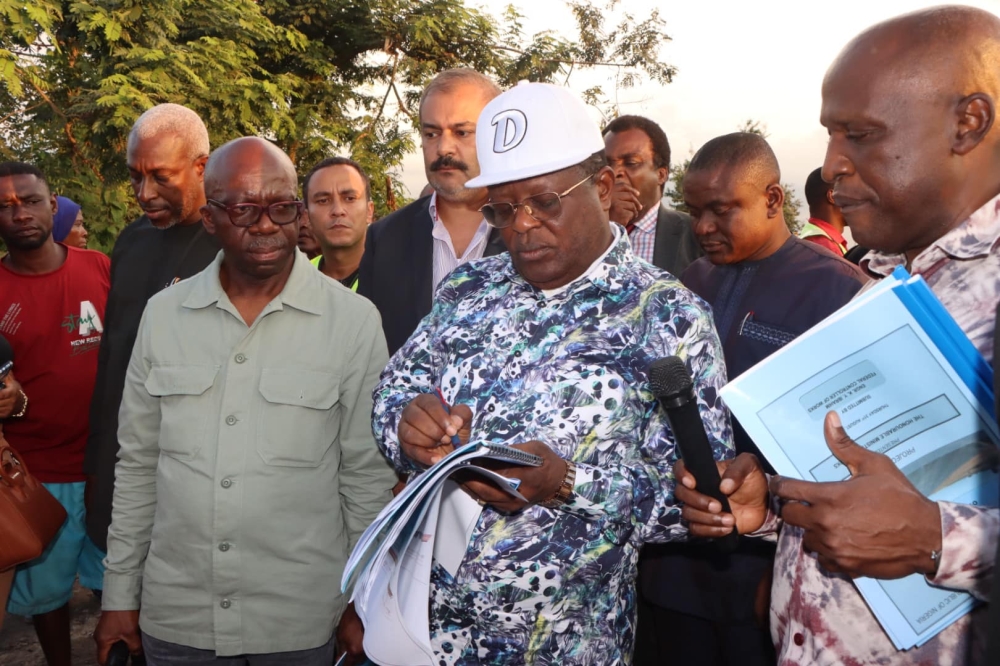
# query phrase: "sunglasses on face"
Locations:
[[248, 214]]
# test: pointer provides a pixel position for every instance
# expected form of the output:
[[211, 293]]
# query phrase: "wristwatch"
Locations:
[[565, 490]]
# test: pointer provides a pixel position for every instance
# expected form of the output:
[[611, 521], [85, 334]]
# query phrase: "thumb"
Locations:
[[845, 449]]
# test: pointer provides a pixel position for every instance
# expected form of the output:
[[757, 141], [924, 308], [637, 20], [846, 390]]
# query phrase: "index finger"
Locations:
[[801, 491]]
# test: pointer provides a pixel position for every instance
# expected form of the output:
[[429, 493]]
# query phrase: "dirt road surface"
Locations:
[[19, 646]]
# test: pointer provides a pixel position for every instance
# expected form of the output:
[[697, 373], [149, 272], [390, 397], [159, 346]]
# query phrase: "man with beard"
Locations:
[[247, 466], [166, 154], [910, 105], [338, 199], [409, 252], [52, 301]]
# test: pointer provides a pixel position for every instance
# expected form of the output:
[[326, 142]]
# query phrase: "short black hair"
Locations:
[[336, 161], [816, 189], [661, 147], [744, 149], [593, 164], [22, 169]]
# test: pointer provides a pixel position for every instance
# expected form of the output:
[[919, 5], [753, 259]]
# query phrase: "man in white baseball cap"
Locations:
[[547, 348]]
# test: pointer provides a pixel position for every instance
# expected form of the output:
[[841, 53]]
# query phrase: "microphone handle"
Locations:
[[689, 433], [118, 656]]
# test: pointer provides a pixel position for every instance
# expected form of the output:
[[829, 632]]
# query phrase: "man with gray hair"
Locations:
[[166, 154], [408, 253]]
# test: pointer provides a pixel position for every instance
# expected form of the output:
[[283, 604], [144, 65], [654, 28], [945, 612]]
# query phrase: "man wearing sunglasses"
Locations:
[[547, 348], [247, 464]]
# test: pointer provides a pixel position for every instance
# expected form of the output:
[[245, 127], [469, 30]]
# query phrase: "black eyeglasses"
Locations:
[[248, 214], [541, 207]]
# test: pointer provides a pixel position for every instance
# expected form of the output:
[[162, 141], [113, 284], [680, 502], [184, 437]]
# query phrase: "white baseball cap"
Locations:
[[531, 130]]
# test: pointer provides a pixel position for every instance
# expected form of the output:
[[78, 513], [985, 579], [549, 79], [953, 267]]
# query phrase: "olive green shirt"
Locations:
[[247, 468]]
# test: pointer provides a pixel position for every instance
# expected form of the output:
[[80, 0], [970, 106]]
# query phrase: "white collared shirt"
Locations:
[[445, 258]]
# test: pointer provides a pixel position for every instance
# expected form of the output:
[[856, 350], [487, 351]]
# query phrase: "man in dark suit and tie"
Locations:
[[638, 150], [408, 252]]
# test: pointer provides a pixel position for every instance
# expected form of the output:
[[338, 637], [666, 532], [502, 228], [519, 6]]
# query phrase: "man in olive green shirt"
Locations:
[[247, 469]]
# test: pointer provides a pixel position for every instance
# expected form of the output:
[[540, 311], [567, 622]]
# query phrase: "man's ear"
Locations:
[[974, 117], [199, 166], [605, 182], [371, 212], [829, 198], [662, 173], [206, 218], [775, 199]]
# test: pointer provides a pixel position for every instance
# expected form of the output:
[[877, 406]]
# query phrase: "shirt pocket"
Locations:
[[184, 412], [298, 422]]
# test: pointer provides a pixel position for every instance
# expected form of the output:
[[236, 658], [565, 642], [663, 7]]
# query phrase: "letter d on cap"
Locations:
[[510, 127]]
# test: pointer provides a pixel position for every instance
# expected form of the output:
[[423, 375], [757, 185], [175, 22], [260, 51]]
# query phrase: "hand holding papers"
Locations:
[[906, 384], [430, 520]]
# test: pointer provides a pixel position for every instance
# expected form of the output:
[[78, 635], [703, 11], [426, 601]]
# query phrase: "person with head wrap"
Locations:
[[67, 224]]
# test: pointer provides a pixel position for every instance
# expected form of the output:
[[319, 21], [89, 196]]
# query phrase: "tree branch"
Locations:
[[585, 63]]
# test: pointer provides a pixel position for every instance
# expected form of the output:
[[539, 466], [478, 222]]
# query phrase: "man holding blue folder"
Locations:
[[548, 348], [914, 156]]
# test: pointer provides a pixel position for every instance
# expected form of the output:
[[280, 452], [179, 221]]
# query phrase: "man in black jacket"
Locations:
[[408, 252], [638, 150], [166, 154]]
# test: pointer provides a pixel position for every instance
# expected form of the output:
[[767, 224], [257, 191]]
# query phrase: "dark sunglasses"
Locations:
[[248, 214]]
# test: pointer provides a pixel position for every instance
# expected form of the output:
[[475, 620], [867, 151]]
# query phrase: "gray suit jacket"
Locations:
[[676, 245]]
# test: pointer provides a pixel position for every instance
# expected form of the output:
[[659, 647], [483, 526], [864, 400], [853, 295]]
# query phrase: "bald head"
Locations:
[[253, 209], [244, 154], [940, 50], [747, 154], [910, 105]]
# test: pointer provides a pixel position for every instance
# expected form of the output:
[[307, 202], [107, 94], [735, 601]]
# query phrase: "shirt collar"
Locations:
[[298, 291], [606, 273], [647, 223], [837, 237], [440, 232], [974, 237]]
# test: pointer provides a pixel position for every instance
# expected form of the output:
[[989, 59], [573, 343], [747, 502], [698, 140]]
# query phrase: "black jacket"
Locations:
[[676, 245], [397, 270], [144, 261]]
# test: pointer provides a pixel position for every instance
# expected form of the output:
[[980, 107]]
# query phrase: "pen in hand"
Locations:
[[455, 439]]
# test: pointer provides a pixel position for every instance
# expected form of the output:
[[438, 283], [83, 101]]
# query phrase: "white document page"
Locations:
[[896, 394]]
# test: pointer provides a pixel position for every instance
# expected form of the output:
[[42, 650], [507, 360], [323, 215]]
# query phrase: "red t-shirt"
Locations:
[[54, 323]]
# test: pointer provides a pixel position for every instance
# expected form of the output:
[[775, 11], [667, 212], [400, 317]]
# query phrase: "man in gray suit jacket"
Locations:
[[638, 150]]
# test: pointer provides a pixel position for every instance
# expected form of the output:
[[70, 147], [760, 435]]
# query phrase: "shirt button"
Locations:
[[226, 483], [225, 603], [492, 408], [231, 420], [799, 639], [223, 546], [518, 353], [240, 358]]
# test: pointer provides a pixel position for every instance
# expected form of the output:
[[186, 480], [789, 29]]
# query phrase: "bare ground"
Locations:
[[19, 646]]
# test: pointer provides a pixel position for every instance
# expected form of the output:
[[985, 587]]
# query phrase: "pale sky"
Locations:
[[736, 60]]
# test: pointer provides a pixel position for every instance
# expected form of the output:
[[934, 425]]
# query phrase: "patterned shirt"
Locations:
[[445, 258], [820, 618], [643, 236], [557, 586]]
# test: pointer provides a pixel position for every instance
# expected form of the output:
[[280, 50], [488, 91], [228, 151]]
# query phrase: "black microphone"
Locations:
[[6, 360], [119, 655], [672, 385]]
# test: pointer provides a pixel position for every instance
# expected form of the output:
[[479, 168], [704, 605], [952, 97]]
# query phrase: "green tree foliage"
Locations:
[[675, 184], [318, 77]]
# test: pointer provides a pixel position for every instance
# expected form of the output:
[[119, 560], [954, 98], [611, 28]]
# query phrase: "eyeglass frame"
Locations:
[[528, 208], [301, 205]]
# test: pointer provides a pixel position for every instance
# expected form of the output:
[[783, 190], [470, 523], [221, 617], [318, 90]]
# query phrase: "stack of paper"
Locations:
[[432, 519], [906, 382]]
